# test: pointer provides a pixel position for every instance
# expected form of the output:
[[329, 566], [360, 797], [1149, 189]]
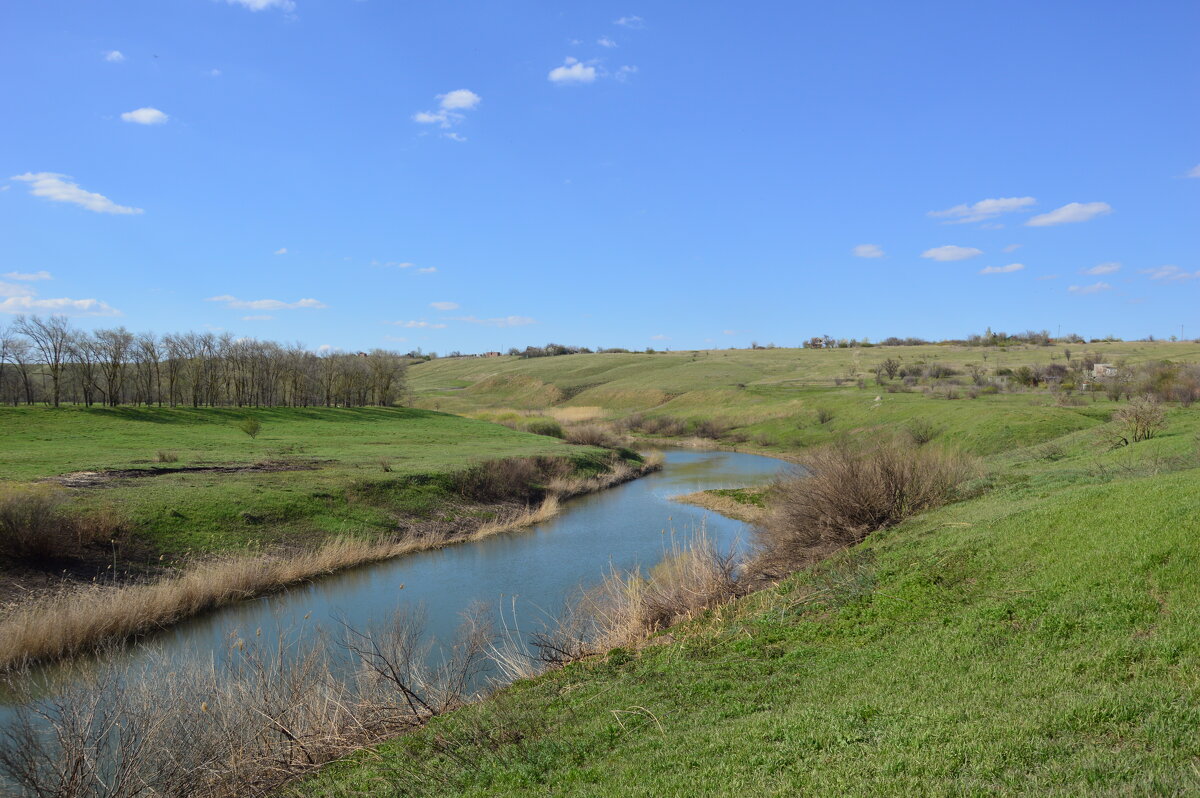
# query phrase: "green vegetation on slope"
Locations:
[[1038, 639], [309, 473]]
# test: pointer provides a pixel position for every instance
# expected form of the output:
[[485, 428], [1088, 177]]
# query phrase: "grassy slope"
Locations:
[[1039, 639], [204, 511]]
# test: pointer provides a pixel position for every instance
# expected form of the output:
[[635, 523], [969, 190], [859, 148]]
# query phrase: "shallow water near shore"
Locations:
[[523, 577]]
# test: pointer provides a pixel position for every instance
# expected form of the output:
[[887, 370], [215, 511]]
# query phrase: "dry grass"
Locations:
[[576, 415], [593, 435], [723, 505], [847, 491]]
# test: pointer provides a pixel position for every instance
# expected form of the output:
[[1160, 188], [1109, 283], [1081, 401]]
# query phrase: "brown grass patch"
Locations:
[[730, 508]]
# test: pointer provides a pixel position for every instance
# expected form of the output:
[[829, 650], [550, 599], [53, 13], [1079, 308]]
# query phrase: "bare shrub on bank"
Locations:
[[843, 493], [1142, 418], [592, 435], [33, 524]]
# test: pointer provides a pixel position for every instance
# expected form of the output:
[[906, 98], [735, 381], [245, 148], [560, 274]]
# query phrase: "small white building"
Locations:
[[1104, 370]]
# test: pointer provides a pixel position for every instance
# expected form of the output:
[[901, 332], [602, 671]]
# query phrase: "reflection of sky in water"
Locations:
[[531, 571]]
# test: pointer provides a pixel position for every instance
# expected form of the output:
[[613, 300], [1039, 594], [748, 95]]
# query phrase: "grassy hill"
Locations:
[[1037, 639]]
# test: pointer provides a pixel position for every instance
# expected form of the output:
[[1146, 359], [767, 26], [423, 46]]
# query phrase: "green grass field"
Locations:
[[1037, 639], [340, 454]]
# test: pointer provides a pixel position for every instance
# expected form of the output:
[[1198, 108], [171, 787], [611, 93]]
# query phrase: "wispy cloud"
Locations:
[[1011, 248], [427, 270], [951, 252], [604, 41], [660, 337], [262, 5], [419, 325], [63, 305], [28, 276], [392, 264], [1102, 268], [12, 289], [504, 321], [1094, 288], [145, 116], [444, 305], [630, 22], [868, 251], [59, 188], [1194, 171], [572, 71], [114, 56], [1071, 213], [265, 304], [450, 110], [1170, 273], [257, 318], [982, 210], [281, 251], [1009, 269]]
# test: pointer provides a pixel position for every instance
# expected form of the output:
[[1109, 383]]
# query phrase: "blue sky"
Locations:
[[479, 175]]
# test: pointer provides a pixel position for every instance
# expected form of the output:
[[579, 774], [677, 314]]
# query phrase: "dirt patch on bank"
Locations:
[[100, 479]]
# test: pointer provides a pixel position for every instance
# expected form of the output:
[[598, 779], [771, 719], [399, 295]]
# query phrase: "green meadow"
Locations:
[[1037, 637], [189, 481]]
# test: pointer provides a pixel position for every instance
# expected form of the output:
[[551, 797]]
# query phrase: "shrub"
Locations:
[[509, 478], [33, 526], [385, 464], [844, 493], [591, 435], [1142, 418], [824, 415], [922, 431], [545, 426], [251, 426], [709, 428], [163, 456]]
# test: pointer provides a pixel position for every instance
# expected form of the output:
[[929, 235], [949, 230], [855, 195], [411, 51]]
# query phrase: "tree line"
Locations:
[[46, 360]]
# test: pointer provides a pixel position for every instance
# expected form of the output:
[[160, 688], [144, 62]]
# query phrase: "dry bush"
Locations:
[[658, 425], [710, 428], [385, 464], [1142, 418], [164, 456], [824, 415], [844, 493], [265, 714], [509, 478], [922, 431], [544, 426], [592, 435], [33, 525]]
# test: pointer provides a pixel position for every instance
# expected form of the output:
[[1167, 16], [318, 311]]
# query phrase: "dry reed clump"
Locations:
[[33, 525], [509, 478], [847, 491], [265, 714], [593, 435], [626, 608]]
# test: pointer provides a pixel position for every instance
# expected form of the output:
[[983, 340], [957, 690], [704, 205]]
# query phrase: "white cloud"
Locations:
[[418, 325], [572, 71], [624, 73], [265, 304], [984, 209], [454, 136], [951, 252], [281, 251], [1094, 288], [214, 73], [630, 22], [391, 264], [257, 318], [12, 289], [427, 270], [660, 337], [444, 305], [868, 251], [1170, 273], [1009, 269], [459, 99], [262, 5], [1195, 171], [604, 41], [145, 116], [1103, 268], [63, 305], [30, 276], [325, 348], [59, 188], [114, 56], [1011, 248], [1071, 212], [504, 321], [1048, 277], [450, 108]]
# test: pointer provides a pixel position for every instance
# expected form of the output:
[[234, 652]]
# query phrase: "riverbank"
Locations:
[[1036, 638], [76, 619]]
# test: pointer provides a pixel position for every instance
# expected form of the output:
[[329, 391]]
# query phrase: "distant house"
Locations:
[[1104, 370], [491, 354]]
